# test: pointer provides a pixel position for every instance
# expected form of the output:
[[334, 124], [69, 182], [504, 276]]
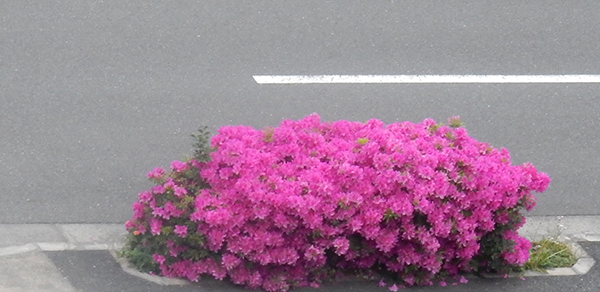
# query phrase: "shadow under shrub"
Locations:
[[294, 205]]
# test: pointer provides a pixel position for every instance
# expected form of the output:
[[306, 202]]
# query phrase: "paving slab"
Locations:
[[31, 272], [578, 228]]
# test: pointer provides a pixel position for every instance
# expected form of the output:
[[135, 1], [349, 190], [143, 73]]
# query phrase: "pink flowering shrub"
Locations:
[[289, 206]]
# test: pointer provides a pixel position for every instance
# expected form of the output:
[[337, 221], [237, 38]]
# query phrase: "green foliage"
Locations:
[[362, 141], [268, 134], [389, 215], [455, 122], [434, 128], [492, 245], [201, 145], [138, 252]]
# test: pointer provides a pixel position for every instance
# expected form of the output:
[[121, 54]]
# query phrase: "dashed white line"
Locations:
[[313, 79]]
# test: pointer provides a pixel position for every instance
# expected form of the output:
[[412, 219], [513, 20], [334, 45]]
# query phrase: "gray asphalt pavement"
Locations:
[[94, 94]]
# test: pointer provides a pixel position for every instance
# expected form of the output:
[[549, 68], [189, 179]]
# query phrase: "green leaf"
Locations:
[[362, 141]]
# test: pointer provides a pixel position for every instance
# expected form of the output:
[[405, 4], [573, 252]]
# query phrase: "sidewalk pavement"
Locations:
[[80, 257]]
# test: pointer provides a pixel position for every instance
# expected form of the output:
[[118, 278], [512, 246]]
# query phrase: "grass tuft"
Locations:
[[549, 254]]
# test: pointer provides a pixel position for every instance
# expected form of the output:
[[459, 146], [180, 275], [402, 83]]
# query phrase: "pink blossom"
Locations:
[[314, 254], [176, 250], [129, 225], [217, 217], [156, 173], [155, 226], [160, 212], [179, 191], [170, 210], [341, 245], [145, 197], [179, 166], [138, 210], [159, 258], [386, 240], [169, 184], [519, 254], [159, 189], [215, 239], [230, 261], [181, 230]]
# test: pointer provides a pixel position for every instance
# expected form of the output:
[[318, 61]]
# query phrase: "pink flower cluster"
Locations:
[[287, 203]]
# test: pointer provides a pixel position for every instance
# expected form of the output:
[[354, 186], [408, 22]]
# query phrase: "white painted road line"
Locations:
[[311, 79]]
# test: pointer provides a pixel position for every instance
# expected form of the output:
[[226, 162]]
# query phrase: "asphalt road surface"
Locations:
[[94, 94]]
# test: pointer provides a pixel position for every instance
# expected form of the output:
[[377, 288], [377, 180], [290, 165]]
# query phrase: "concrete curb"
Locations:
[[581, 267], [126, 266]]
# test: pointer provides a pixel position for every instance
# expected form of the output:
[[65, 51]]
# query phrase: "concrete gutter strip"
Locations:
[[127, 268]]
